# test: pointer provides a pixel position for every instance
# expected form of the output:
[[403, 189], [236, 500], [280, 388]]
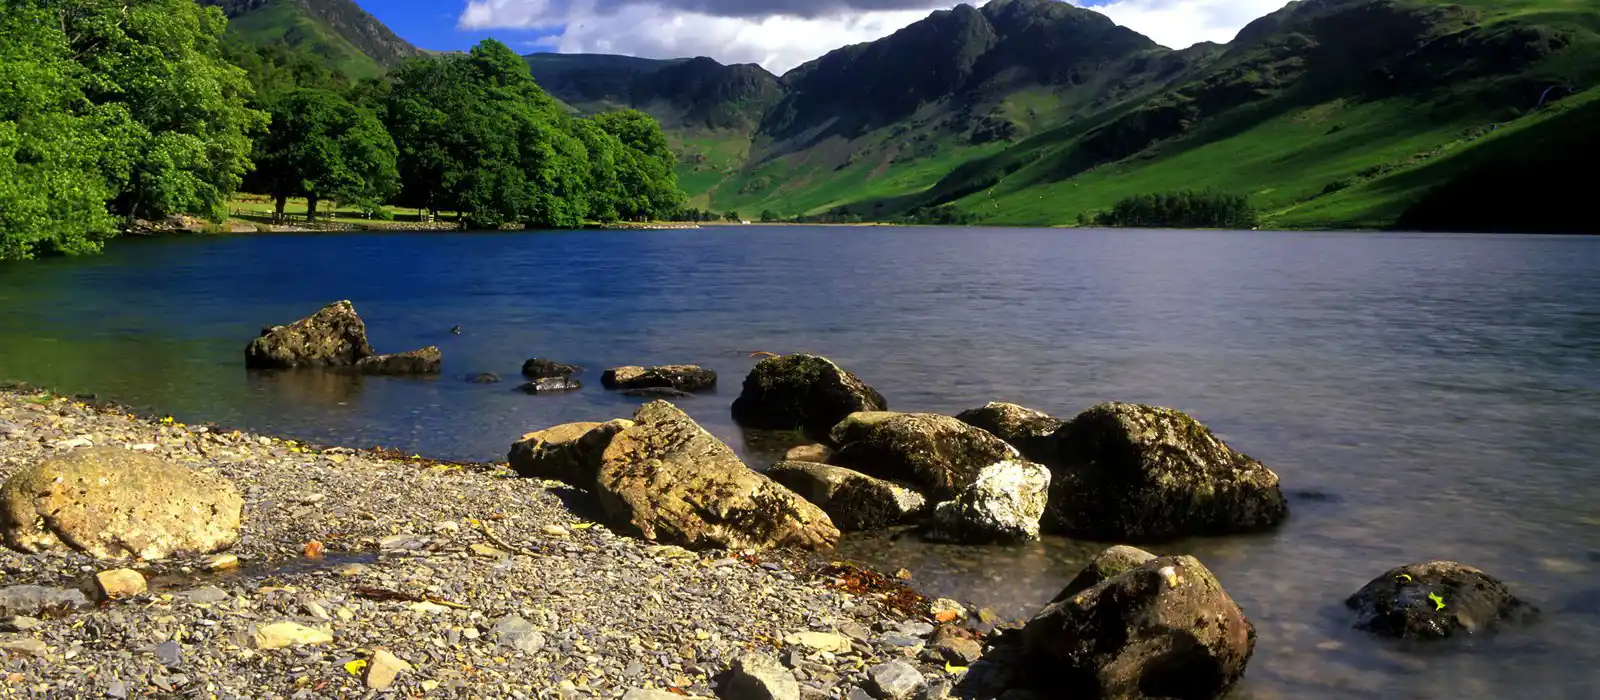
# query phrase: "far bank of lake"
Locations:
[[1422, 396]]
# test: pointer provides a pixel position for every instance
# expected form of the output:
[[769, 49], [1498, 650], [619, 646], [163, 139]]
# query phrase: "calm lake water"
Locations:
[[1425, 396]]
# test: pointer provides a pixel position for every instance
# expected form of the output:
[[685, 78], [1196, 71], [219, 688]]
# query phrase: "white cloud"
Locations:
[[782, 41], [1183, 23]]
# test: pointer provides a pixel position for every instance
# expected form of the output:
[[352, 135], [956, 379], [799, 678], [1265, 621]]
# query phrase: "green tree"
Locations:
[[322, 147], [648, 179], [53, 143], [769, 215], [732, 216]]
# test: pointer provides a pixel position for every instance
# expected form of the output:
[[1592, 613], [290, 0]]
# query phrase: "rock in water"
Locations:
[[1164, 629], [550, 385], [1027, 430], [804, 392], [938, 454], [484, 378], [1142, 473], [854, 501], [680, 377], [673, 482], [568, 453], [333, 337], [1105, 565], [538, 368], [1436, 600], [115, 503], [428, 360], [39, 601], [1003, 505], [760, 677]]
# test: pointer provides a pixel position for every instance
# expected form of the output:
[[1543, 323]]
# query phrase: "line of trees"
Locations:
[[1182, 209], [116, 111]]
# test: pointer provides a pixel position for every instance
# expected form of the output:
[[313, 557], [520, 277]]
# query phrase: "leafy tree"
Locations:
[[769, 215], [322, 147], [648, 178], [1185, 209], [732, 216], [276, 68]]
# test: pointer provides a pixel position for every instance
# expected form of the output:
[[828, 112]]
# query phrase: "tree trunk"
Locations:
[[311, 208], [277, 216]]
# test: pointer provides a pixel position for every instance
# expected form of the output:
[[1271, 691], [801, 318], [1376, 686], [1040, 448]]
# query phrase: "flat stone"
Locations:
[[37, 600], [116, 689], [18, 623], [24, 647], [205, 595], [820, 641], [219, 562], [117, 584], [957, 651], [169, 653], [895, 680], [279, 635], [515, 632], [760, 677], [383, 668], [915, 628], [555, 531]]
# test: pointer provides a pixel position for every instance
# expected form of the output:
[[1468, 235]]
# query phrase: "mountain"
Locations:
[[338, 31], [684, 94]]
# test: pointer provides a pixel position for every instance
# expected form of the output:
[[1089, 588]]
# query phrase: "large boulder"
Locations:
[[540, 368], [938, 454], [428, 360], [854, 501], [802, 392], [673, 482], [1142, 473], [1027, 430], [680, 377], [1164, 629], [332, 337], [1105, 565], [114, 503], [1436, 600], [1003, 505], [567, 453]]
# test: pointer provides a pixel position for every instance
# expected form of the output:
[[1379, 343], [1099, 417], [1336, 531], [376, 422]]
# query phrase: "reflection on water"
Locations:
[[1422, 397]]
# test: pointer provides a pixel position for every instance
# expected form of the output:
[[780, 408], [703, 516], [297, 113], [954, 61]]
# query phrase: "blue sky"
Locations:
[[778, 34]]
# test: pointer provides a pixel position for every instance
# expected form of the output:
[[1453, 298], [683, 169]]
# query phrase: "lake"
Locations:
[[1421, 396]]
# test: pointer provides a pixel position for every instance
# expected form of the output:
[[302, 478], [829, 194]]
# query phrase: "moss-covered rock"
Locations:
[[1142, 473], [1164, 629], [853, 500], [1030, 431], [332, 337], [938, 454], [1436, 600], [1105, 565], [567, 453], [802, 392], [670, 481], [679, 377], [428, 360]]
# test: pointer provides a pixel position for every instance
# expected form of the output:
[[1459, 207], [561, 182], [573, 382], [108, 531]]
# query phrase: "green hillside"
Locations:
[[338, 32]]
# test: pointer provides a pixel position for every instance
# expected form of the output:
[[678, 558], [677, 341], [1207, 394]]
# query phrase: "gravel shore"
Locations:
[[478, 583]]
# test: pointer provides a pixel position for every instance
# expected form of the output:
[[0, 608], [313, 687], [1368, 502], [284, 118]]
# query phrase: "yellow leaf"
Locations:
[[954, 669], [354, 667], [582, 526]]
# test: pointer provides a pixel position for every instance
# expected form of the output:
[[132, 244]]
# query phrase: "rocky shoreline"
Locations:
[[481, 583]]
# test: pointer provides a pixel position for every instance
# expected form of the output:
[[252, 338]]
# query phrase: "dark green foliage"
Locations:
[[1185, 209], [938, 216], [277, 68], [322, 147]]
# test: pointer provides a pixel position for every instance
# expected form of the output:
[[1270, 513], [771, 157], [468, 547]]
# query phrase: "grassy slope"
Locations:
[[1385, 153], [283, 22]]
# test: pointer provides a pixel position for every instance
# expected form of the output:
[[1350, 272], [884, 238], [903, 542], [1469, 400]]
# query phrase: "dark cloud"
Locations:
[[768, 8]]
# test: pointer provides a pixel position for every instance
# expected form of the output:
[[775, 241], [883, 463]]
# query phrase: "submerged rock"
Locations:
[[1143, 473], [114, 503], [680, 377], [672, 482], [1436, 600], [803, 392], [854, 501], [550, 385], [1027, 430], [657, 392], [427, 360], [484, 378], [1105, 565], [1164, 629], [938, 454], [1003, 505], [332, 337], [539, 368], [567, 453]]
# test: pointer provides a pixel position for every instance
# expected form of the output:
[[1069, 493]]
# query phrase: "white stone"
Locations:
[[1005, 503]]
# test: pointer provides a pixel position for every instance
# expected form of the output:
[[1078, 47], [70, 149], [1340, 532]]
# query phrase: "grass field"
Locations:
[[260, 208]]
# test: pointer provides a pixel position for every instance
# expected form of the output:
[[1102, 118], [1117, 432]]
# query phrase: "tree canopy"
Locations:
[[322, 147]]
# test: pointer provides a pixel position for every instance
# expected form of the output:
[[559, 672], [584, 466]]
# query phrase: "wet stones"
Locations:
[[1105, 565], [939, 455], [669, 480], [1436, 600], [804, 392], [332, 337], [427, 360], [1143, 473], [550, 385], [1163, 629], [687, 378], [114, 503], [539, 368], [1027, 430], [853, 500]]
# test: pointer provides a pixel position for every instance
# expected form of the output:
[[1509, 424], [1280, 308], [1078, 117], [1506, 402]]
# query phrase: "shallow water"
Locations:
[[1425, 396]]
